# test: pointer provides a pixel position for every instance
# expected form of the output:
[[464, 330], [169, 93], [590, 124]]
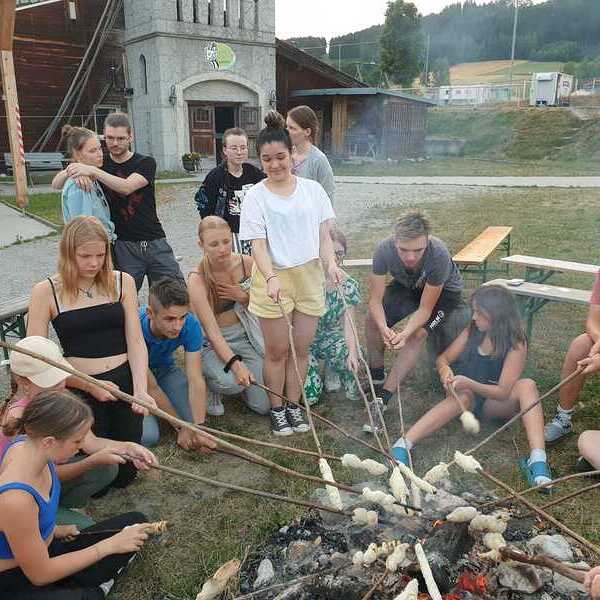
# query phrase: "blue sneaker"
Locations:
[[534, 471], [401, 455]]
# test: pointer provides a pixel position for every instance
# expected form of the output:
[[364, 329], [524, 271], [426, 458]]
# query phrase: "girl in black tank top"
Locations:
[[105, 333], [487, 361]]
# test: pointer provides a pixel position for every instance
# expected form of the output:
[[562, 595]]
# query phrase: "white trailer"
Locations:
[[551, 89]]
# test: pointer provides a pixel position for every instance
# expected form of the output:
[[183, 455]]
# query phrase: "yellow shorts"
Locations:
[[302, 289]]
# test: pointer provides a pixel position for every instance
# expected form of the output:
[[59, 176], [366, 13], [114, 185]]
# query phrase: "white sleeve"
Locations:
[[252, 219], [325, 203]]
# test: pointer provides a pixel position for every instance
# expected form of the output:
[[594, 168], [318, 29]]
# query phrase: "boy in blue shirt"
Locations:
[[167, 324]]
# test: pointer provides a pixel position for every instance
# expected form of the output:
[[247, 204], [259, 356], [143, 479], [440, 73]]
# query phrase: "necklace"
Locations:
[[88, 292]]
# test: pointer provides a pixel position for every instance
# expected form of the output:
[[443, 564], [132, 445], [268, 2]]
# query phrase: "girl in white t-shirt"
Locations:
[[288, 221]]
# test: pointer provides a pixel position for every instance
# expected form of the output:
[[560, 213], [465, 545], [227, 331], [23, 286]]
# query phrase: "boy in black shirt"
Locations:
[[223, 189], [141, 248]]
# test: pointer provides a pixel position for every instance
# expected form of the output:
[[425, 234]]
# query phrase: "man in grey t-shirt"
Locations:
[[426, 287]]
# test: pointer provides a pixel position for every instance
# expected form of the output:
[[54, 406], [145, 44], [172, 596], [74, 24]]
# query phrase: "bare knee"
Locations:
[[525, 389], [277, 353], [580, 348], [589, 444]]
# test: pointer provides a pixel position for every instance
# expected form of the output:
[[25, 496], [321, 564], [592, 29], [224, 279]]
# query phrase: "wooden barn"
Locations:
[[368, 122]]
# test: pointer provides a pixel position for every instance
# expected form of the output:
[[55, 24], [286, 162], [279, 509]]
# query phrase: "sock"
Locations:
[[377, 373], [386, 396], [402, 443], [537, 455], [563, 414]]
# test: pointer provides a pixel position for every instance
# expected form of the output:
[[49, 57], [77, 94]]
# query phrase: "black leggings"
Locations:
[[116, 420], [84, 585]]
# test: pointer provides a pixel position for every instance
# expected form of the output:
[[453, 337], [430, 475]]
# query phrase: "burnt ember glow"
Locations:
[[472, 582]]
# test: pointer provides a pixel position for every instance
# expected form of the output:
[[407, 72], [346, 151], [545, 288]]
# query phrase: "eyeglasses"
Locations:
[[237, 148]]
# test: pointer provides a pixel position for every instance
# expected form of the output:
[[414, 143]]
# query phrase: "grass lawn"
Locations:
[[209, 527], [46, 206]]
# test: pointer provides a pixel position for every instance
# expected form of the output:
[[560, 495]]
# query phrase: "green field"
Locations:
[[498, 71]]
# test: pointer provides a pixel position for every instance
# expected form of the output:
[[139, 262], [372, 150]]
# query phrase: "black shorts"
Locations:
[[399, 302]]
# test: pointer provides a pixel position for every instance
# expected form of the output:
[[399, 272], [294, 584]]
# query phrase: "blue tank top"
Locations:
[[47, 509]]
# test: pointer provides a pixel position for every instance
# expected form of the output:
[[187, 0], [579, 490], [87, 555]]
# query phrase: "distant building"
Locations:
[[469, 95], [551, 89]]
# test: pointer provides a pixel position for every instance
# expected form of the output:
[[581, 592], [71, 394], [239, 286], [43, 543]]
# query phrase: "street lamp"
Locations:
[[514, 43]]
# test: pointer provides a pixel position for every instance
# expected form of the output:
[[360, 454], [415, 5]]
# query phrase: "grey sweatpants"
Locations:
[[224, 383], [153, 258]]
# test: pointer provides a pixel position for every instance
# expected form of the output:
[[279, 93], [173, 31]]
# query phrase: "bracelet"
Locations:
[[270, 277], [230, 362]]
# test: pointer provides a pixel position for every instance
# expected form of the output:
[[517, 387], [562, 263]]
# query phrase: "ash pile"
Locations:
[[325, 556]]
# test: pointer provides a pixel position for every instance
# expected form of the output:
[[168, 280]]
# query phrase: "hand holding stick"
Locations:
[[511, 553]]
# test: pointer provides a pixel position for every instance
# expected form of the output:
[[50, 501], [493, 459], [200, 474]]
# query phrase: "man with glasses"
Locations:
[[141, 248], [426, 287], [224, 188]]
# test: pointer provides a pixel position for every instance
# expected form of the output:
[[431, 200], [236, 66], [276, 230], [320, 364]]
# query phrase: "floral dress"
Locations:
[[330, 345]]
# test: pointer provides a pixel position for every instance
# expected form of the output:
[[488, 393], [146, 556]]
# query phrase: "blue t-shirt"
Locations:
[[160, 351]]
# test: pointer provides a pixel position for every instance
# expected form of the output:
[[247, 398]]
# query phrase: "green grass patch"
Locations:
[[46, 206]]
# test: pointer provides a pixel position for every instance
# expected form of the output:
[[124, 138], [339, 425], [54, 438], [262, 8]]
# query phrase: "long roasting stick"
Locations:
[[566, 497], [510, 553], [245, 490], [361, 357], [539, 487], [241, 452], [541, 513], [247, 440], [311, 423], [522, 413]]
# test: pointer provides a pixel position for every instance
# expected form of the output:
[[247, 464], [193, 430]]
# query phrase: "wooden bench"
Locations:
[[38, 161], [536, 295], [12, 320], [539, 270], [473, 258]]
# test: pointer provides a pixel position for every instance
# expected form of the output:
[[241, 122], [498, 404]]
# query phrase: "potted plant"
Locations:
[[190, 161]]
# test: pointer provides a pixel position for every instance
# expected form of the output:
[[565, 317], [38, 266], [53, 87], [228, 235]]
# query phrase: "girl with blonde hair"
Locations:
[[233, 357], [94, 312]]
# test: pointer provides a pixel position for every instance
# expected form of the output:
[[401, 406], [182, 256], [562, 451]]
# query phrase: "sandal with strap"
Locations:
[[401, 455], [534, 470]]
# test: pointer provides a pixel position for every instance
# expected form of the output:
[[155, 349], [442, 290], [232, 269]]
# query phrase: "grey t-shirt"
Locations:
[[437, 267], [317, 167]]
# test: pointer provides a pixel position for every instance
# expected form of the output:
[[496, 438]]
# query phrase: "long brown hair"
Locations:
[[506, 330], [82, 230], [76, 137], [305, 117], [211, 222], [54, 414]]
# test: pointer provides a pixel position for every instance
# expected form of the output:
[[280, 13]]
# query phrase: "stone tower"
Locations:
[[197, 67]]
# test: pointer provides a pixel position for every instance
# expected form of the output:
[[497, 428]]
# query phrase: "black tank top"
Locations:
[[93, 331], [482, 368]]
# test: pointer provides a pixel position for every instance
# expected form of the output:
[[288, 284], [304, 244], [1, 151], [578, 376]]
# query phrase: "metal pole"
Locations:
[[340, 57], [514, 44], [427, 60]]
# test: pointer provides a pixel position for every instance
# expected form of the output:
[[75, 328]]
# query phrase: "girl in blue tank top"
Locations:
[[36, 555], [484, 366]]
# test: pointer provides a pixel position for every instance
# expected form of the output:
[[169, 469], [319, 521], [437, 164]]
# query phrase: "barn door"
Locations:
[[202, 129], [250, 122]]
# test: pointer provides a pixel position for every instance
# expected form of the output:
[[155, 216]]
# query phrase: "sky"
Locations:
[[330, 18]]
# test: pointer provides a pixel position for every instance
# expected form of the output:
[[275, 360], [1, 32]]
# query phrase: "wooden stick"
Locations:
[[541, 513], [511, 553], [522, 413], [583, 490], [370, 593], [247, 440], [456, 397], [241, 452], [245, 490], [402, 430], [323, 419], [494, 503], [311, 423]]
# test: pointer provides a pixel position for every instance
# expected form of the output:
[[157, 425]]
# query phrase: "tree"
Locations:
[[440, 72], [402, 43], [316, 46]]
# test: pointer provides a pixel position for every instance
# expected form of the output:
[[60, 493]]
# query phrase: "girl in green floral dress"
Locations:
[[334, 341]]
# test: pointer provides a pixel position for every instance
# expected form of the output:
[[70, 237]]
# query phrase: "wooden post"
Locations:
[[339, 124], [11, 100]]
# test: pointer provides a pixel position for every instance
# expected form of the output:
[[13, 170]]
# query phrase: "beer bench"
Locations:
[[473, 258], [12, 320], [38, 161], [533, 296], [539, 270]]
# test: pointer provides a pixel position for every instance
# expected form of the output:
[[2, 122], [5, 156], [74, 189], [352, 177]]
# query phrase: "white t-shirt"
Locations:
[[290, 225]]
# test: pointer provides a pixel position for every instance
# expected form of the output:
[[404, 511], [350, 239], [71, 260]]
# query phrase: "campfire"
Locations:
[[451, 550]]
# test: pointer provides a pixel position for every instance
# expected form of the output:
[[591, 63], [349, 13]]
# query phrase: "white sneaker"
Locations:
[[332, 380], [214, 404]]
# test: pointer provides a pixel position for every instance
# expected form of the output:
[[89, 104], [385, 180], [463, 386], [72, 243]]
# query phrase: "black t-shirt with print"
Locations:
[[134, 215], [222, 193]]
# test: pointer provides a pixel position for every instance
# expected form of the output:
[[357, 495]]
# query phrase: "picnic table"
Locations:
[[12, 320], [539, 270]]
